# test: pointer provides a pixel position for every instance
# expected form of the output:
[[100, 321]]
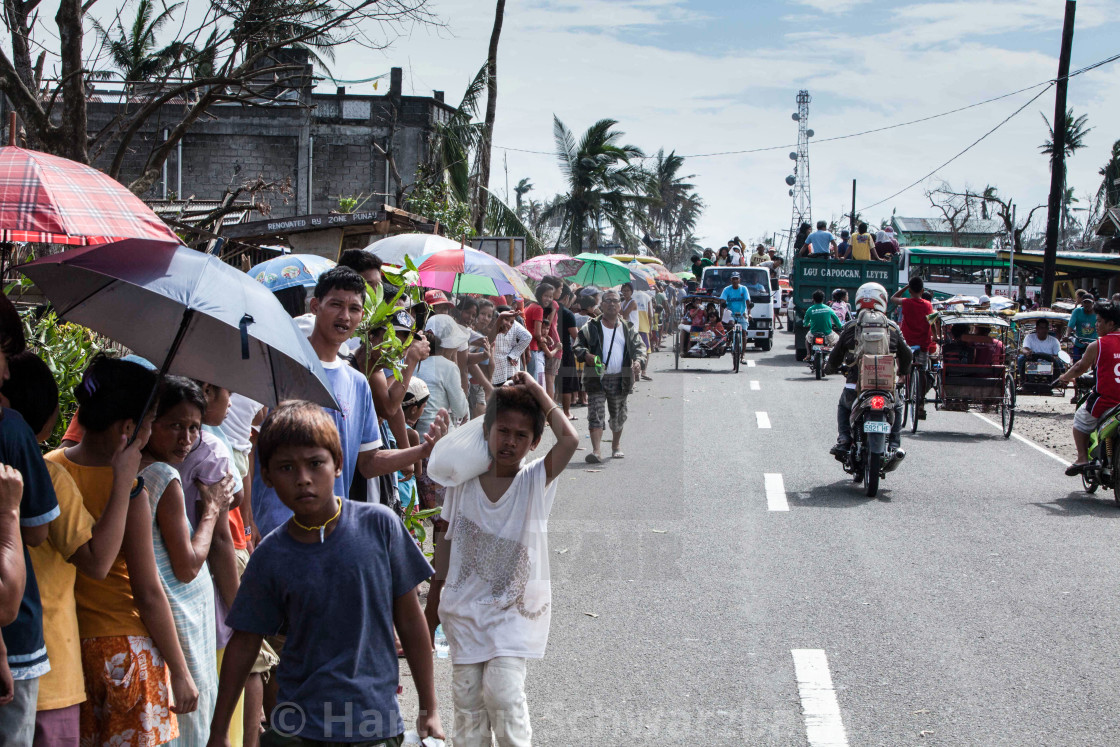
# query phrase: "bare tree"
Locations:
[[997, 207], [230, 51], [955, 207]]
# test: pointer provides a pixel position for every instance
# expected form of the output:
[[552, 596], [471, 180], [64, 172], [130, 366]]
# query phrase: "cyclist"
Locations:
[[738, 300], [916, 329]]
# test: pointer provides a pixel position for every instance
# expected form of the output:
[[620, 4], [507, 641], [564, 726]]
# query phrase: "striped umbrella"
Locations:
[[466, 270]]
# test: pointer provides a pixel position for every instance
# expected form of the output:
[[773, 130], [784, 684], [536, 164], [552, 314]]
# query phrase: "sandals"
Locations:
[[617, 455], [593, 459], [1076, 469]]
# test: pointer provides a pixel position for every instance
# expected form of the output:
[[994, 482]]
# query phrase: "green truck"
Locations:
[[827, 275]]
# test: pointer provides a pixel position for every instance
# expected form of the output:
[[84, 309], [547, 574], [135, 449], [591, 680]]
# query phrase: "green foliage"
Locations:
[[67, 349], [414, 521], [352, 204], [437, 202], [390, 352]]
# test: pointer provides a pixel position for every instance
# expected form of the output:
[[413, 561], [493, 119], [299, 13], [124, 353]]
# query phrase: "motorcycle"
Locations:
[[873, 413], [818, 354], [1103, 469], [1040, 371]]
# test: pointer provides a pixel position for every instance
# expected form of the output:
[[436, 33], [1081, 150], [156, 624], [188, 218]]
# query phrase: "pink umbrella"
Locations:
[[560, 265]]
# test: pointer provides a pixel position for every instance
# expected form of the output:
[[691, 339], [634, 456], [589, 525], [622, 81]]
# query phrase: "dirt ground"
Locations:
[[1047, 421]]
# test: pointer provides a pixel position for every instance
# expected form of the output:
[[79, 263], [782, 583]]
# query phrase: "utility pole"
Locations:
[[852, 217], [1058, 160]]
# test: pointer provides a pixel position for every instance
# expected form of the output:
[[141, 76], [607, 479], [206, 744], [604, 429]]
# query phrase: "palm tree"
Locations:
[[1108, 195], [260, 24], [668, 192], [603, 185], [1075, 134], [523, 187], [132, 51]]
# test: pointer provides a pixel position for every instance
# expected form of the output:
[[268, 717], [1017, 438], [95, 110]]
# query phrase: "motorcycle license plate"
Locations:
[[1040, 368], [876, 426]]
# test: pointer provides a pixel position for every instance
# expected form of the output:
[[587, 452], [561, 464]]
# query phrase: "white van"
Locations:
[[757, 280]]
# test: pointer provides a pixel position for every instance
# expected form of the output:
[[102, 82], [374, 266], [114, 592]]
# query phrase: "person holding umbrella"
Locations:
[[613, 355], [338, 306]]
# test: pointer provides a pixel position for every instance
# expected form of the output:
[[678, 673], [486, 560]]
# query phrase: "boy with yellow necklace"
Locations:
[[338, 576]]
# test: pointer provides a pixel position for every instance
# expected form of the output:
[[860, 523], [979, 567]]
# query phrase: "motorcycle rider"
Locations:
[[870, 296], [1040, 345], [821, 320], [1103, 353]]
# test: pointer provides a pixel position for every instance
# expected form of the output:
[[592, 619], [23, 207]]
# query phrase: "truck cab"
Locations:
[[827, 275], [756, 280]]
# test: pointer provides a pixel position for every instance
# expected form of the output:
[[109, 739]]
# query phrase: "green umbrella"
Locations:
[[601, 271]]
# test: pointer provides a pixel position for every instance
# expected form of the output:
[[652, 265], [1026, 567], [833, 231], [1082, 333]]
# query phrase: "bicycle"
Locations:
[[917, 384]]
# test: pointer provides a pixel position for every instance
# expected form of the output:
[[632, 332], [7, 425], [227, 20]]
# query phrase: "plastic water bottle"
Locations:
[[442, 649]]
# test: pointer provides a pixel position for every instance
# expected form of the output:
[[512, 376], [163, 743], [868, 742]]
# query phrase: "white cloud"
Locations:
[[585, 64], [835, 7]]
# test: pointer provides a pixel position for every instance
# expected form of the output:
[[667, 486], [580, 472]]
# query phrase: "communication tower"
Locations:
[[798, 181]]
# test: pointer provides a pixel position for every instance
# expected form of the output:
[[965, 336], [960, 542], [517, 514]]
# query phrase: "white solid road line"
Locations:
[[823, 725], [755, 386], [751, 364], [1027, 441], [775, 492], [763, 419]]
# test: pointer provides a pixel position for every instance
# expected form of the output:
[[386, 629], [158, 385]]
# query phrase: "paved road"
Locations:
[[972, 603]]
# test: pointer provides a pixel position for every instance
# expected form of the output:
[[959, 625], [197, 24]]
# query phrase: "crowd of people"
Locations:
[[170, 575], [863, 246]]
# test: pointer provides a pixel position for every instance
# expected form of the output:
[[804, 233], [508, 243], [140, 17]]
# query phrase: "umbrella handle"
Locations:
[[188, 315], [243, 325]]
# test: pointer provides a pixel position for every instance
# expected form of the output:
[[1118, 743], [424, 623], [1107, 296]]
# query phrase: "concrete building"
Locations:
[[321, 146]]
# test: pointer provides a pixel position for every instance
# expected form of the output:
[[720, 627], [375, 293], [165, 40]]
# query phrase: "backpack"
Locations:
[[873, 333], [873, 350]]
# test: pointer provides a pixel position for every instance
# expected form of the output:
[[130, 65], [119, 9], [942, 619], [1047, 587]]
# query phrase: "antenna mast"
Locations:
[[798, 181]]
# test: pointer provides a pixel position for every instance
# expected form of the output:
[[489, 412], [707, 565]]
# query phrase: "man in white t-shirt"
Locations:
[[613, 355], [1040, 343]]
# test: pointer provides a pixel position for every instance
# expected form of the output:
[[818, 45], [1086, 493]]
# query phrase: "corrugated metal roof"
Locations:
[[940, 225]]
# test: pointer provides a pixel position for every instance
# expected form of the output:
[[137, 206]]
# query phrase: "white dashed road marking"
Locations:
[[821, 709], [751, 364], [775, 492], [763, 419], [755, 386], [1027, 441]]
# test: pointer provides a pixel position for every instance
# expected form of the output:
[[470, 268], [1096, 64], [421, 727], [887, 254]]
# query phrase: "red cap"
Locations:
[[435, 297]]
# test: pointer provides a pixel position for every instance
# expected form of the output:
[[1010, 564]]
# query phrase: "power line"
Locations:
[[966, 150], [1046, 83]]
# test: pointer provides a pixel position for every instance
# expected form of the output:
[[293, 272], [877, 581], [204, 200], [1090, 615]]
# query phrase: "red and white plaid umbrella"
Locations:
[[53, 200]]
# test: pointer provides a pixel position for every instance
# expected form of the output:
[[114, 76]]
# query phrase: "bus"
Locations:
[[952, 272]]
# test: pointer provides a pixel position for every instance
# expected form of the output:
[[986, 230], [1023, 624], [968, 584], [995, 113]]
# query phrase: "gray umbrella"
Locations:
[[196, 314]]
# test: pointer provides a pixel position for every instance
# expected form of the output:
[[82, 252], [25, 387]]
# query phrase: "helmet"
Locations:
[[872, 296]]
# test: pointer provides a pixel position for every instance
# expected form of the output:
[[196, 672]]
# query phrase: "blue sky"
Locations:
[[698, 76]]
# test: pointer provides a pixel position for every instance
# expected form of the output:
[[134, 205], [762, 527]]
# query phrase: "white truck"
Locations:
[[760, 330]]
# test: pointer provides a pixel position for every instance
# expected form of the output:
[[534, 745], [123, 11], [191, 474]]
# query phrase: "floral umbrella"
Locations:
[[466, 270], [290, 270], [560, 265]]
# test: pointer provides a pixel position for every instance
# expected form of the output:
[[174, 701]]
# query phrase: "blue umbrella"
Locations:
[[196, 314], [290, 270]]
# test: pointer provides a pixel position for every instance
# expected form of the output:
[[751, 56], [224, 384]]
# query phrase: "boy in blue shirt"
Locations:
[[337, 577], [338, 306]]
